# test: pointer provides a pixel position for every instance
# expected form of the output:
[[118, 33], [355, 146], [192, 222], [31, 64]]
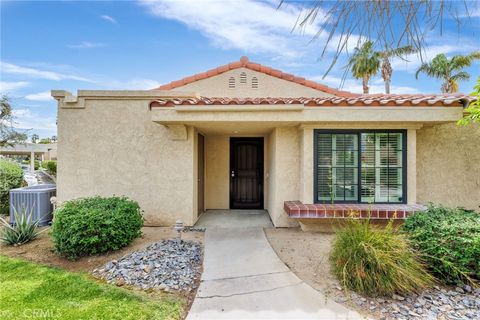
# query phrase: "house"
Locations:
[[246, 136]]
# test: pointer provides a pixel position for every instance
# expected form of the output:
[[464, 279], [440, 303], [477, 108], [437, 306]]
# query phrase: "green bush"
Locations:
[[95, 225], [51, 166], [11, 176], [24, 230], [375, 261], [449, 240], [36, 163]]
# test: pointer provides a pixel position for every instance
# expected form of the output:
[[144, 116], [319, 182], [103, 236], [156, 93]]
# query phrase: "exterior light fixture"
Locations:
[[179, 228]]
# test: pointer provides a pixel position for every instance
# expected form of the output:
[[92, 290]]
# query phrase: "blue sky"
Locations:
[[141, 44]]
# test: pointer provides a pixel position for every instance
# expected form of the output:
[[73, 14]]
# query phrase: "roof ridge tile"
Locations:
[[244, 62]]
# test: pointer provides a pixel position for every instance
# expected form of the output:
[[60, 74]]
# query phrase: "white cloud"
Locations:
[[87, 45], [26, 119], [251, 26], [8, 68], [108, 18], [41, 96], [412, 62], [133, 84], [8, 86]]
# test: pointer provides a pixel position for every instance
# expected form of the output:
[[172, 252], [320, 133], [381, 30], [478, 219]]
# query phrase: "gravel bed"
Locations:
[[436, 303], [169, 265]]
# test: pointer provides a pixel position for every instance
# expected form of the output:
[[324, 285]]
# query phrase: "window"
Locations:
[[231, 83], [243, 78], [360, 166], [254, 83]]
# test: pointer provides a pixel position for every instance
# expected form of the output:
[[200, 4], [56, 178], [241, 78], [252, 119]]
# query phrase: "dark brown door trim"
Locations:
[[246, 173]]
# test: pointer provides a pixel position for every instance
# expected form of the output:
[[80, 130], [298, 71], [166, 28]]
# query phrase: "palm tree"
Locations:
[[364, 63], [387, 67], [449, 70]]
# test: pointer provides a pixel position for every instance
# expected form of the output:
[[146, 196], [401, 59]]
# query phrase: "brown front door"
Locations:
[[246, 173], [201, 174]]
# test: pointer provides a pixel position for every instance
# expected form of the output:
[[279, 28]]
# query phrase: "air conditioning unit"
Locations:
[[34, 199]]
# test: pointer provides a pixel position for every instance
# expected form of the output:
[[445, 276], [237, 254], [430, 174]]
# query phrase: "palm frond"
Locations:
[[461, 76]]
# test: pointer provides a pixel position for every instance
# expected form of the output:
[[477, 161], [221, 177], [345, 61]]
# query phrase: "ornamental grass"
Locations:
[[377, 261]]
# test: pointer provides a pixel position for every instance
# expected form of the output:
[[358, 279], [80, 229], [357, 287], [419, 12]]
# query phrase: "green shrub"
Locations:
[[95, 225], [24, 230], [449, 240], [51, 166], [374, 261], [36, 163], [11, 176]]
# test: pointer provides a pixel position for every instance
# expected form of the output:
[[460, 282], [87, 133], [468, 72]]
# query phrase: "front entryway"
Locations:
[[246, 173], [234, 219]]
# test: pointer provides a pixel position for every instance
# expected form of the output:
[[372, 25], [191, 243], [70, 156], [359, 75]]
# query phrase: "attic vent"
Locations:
[[231, 83], [243, 78], [254, 83]]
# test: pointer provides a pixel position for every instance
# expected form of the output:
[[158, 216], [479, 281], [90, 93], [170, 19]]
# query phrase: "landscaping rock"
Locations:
[[169, 265], [436, 303]]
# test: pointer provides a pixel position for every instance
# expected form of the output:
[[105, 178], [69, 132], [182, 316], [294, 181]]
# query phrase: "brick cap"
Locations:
[[296, 209]]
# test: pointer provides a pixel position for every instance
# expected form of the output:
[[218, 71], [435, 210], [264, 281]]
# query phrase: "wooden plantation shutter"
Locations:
[[338, 167], [355, 166], [382, 167]]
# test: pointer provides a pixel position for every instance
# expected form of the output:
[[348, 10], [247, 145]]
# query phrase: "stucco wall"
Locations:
[[448, 165], [284, 173], [268, 86], [111, 147]]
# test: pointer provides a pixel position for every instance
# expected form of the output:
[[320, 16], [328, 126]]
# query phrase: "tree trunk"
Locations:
[[386, 73], [365, 84], [446, 87], [387, 86]]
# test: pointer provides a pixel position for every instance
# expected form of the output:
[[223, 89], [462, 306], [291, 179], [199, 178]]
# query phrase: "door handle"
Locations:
[[233, 174]]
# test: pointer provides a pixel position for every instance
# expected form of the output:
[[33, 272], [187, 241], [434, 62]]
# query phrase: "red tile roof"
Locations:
[[245, 63], [373, 100]]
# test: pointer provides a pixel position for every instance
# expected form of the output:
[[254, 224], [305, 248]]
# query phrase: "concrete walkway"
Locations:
[[244, 279]]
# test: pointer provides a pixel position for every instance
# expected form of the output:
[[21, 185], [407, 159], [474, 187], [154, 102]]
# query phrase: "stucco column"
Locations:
[[411, 166], [306, 165], [32, 161]]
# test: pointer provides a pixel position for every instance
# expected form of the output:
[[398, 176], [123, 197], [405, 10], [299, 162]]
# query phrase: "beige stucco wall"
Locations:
[[448, 165], [111, 147], [284, 173], [268, 86]]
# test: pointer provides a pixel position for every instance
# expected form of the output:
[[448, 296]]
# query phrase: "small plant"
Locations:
[[11, 176], [376, 261], [24, 230], [51, 166], [95, 225], [449, 241]]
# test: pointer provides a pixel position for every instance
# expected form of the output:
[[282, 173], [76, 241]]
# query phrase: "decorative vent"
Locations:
[[243, 78], [254, 83], [231, 83]]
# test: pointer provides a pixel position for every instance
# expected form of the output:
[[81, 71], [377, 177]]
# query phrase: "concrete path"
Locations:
[[234, 219], [244, 279]]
